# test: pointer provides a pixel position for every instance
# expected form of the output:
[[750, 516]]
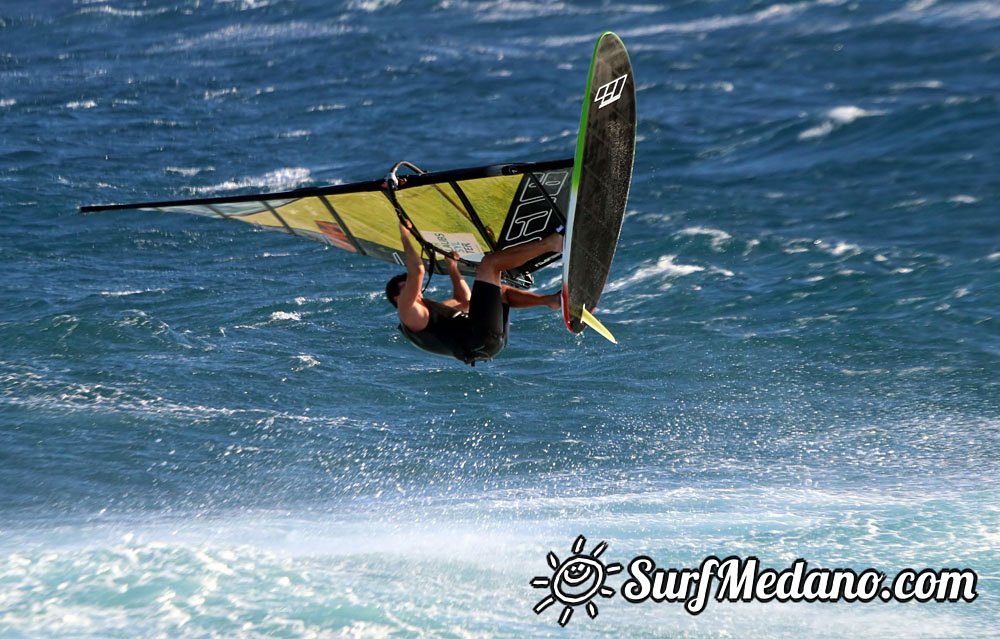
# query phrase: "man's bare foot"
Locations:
[[554, 301], [554, 242]]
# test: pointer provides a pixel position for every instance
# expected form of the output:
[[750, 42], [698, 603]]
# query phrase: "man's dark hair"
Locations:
[[392, 288]]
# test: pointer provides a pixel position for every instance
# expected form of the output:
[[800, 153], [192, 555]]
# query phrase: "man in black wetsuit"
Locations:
[[471, 326]]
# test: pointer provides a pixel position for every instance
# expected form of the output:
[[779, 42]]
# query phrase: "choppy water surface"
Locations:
[[209, 431]]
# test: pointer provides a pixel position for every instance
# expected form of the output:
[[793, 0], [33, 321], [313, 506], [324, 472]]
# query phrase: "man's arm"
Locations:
[[411, 312], [461, 292]]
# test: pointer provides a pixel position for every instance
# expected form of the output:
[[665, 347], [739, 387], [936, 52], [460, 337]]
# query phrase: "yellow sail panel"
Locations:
[[302, 215], [370, 217], [310, 217], [491, 198], [265, 218], [437, 211], [255, 213]]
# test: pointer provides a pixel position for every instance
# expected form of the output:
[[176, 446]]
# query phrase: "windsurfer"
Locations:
[[471, 325]]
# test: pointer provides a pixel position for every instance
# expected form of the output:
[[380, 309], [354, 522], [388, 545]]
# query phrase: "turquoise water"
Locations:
[[211, 431]]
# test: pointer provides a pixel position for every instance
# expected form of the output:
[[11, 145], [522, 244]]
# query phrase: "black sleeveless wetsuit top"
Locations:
[[470, 337]]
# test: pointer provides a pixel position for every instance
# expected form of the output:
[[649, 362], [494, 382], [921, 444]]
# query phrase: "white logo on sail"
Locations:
[[610, 92]]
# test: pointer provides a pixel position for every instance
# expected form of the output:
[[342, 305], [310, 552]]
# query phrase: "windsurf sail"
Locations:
[[471, 211]]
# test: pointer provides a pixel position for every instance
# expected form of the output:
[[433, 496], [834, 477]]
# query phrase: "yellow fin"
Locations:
[[593, 323]]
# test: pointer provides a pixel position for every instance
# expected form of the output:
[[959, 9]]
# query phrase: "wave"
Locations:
[[979, 13], [719, 238], [280, 179], [352, 573], [106, 9], [81, 104], [837, 117], [663, 270], [240, 35]]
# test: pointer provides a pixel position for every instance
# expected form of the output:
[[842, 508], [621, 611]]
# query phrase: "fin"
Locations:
[[593, 323]]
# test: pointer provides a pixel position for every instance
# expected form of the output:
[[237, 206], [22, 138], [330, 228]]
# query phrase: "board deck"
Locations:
[[602, 172]]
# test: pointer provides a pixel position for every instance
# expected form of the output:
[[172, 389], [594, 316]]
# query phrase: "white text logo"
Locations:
[[611, 91]]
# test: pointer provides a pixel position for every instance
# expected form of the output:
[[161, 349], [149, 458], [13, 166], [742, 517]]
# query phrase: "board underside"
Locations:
[[601, 177]]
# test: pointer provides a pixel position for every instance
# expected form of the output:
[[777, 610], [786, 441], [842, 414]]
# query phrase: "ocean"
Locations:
[[208, 430]]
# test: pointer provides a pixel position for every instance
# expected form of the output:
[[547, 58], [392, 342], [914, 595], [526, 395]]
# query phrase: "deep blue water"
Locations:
[[212, 431]]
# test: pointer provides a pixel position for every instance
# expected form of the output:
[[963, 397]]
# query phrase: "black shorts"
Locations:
[[488, 317]]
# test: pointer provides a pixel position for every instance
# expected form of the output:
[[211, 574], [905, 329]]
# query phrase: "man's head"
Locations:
[[394, 288]]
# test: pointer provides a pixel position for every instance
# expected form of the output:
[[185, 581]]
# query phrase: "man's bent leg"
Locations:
[[494, 264], [488, 306], [525, 299], [486, 311]]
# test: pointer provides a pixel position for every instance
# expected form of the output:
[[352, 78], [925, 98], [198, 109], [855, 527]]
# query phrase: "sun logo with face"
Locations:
[[576, 581]]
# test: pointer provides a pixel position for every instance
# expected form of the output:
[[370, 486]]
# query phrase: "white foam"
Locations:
[[920, 201], [519, 139], [718, 236], [272, 33], [121, 13], [664, 267], [371, 6], [6, 102], [848, 114], [211, 95], [81, 104], [132, 292], [263, 575], [838, 116], [320, 108], [773, 13], [963, 199], [844, 247], [300, 301], [960, 12], [307, 361], [921, 84], [816, 131], [187, 172], [280, 179], [562, 134]]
